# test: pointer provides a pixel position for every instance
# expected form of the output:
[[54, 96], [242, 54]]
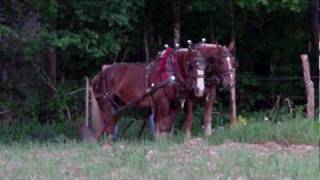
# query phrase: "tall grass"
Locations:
[[36, 132], [295, 131], [252, 128]]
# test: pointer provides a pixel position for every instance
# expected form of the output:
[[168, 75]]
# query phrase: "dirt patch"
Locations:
[[269, 147], [2, 161], [199, 146]]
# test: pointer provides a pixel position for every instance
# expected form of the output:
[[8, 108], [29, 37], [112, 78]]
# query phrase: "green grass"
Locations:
[[53, 151], [150, 160], [295, 131]]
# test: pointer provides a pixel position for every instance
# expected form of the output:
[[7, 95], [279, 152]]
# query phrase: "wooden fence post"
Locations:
[[309, 86], [233, 106], [319, 83], [87, 102]]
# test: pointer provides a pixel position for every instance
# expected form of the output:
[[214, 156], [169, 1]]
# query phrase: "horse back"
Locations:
[[126, 81]]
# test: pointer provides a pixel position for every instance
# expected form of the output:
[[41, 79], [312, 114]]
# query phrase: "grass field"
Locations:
[[256, 150]]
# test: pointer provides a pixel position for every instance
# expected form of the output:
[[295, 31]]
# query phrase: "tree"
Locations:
[[176, 4]]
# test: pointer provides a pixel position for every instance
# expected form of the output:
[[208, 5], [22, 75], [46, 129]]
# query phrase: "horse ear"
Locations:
[[232, 47]]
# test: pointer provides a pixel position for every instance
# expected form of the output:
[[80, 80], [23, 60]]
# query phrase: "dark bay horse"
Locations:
[[121, 84], [220, 71]]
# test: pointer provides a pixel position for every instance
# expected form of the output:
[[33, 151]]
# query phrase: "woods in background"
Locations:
[[47, 47]]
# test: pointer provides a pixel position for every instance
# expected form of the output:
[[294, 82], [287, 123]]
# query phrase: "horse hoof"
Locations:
[[152, 123], [207, 131], [116, 134], [161, 136], [187, 136]]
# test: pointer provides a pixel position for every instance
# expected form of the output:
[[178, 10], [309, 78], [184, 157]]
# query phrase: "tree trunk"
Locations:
[[145, 33], [232, 23], [211, 27], [52, 64], [176, 25], [314, 12], [309, 86], [159, 40], [318, 70], [146, 46]]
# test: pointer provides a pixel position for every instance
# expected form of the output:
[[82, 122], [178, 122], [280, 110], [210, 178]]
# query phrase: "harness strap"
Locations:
[[212, 80], [129, 105], [152, 90], [149, 69]]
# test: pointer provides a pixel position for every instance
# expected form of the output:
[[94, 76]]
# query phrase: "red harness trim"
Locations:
[[164, 58], [163, 62]]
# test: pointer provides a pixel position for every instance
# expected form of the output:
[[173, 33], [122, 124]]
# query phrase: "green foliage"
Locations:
[[281, 127], [87, 34], [271, 5], [207, 6], [97, 28], [33, 131]]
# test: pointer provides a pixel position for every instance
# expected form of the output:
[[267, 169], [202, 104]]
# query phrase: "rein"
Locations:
[[170, 55], [132, 103]]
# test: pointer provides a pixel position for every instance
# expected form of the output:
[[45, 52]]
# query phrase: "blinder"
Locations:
[[200, 63], [225, 55]]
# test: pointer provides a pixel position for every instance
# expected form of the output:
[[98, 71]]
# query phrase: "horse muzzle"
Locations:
[[200, 88], [226, 86], [198, 92]]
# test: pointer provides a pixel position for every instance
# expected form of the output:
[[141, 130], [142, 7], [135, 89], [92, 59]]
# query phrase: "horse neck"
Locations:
[[209, 52], [181, 58]]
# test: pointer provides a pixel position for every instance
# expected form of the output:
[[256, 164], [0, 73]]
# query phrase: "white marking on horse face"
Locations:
[[183, 50], [230, 67], [105, 66], [209, 45], [200, 82]]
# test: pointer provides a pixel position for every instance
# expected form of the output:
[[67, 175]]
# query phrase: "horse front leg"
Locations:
[[110, 123], [210, 98], [188, 118], [174, 111], [163, 120]]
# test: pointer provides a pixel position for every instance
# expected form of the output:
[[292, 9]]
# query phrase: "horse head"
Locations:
[[192, 65], [220, 63]]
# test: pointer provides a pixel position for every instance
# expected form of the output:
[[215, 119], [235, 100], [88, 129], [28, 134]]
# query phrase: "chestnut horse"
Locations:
[[220, 71], [174, 75]]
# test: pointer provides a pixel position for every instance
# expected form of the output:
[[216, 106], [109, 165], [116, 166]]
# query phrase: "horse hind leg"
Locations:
[[152, 122], [111, 129], [187, 125], [163, 119], [208, 112]]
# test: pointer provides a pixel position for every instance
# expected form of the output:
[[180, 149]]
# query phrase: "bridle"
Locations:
[[200, 63], [218, 76], [187, 82]]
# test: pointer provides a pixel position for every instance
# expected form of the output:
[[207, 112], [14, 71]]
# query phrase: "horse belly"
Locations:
[[130, 85]]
